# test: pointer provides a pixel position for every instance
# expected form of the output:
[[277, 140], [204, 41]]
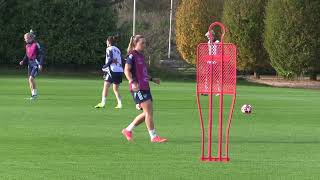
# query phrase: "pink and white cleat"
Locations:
[[127, 134], [158, 139]]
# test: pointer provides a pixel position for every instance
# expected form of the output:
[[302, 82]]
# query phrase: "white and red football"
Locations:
[[246, 109]]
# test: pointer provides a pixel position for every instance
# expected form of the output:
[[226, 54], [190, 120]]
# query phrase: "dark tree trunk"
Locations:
[[313, 76], [256, 75]]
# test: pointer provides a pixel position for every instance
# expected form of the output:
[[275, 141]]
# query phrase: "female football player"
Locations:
[[137, 75], [113, 72], [34, 57]]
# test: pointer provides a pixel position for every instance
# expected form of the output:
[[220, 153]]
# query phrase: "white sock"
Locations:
[[119, 101], [130, 127], [103, 100], [152, 133], [34, 92]]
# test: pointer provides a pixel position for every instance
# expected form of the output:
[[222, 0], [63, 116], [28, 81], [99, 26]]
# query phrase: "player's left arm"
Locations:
[[109, 60], [155, 80], [40, 56]]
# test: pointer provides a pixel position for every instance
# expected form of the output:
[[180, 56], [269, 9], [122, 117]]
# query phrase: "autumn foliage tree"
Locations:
[[192, 20]]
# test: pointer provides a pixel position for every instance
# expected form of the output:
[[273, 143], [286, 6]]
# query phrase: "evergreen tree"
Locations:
[[72, 32], [292, 36], [245, 22]]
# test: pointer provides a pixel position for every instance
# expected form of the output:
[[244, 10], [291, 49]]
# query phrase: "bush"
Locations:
[[72, 32], [245, 29], [292, 36]]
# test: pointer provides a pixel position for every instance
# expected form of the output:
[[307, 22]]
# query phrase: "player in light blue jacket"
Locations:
[[113, 73]]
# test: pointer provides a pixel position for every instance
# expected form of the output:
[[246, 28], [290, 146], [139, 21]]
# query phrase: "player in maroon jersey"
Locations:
[[137, 75], [34, 58]]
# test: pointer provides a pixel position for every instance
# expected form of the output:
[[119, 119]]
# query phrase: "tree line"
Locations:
[[280, 34], [72, 31]]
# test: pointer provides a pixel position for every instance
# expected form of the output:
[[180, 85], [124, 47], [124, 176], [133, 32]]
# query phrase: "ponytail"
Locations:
[[112, 39], [130, 46], [133, 42], [32, 34]]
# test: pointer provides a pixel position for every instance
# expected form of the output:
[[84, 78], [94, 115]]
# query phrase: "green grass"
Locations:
[[61, 136]]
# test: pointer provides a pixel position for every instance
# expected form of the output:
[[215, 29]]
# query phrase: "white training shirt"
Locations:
[[213, 48], [114, 54]]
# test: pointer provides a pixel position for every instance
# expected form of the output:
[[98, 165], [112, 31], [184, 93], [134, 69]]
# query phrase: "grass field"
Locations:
[[61, 136]]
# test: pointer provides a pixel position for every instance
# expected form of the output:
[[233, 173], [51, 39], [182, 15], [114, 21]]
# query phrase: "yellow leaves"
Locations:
[[192, 21]]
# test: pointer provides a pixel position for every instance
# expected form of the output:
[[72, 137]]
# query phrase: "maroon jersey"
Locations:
[[139, 69], [34, 54], [32, 51]]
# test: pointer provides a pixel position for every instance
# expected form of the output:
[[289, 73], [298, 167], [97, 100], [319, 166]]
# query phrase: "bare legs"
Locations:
[[105, 90], [33, 87], [148, 112], [139, 119], [104, 95], [147, 117], [117, 94], [32, 83]]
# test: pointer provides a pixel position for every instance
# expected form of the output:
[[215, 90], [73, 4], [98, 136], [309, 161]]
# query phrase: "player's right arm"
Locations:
[[127, 71], [24, 60]]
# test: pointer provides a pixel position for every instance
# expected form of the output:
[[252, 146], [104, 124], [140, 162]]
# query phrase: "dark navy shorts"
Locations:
[[113, 77], [33, 71], [141, 96]]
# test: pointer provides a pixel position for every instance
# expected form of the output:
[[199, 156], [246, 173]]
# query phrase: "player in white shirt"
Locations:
[[113, 73], [213, 49]]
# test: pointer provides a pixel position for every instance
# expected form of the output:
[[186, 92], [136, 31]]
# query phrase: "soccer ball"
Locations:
[[246, 109]]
